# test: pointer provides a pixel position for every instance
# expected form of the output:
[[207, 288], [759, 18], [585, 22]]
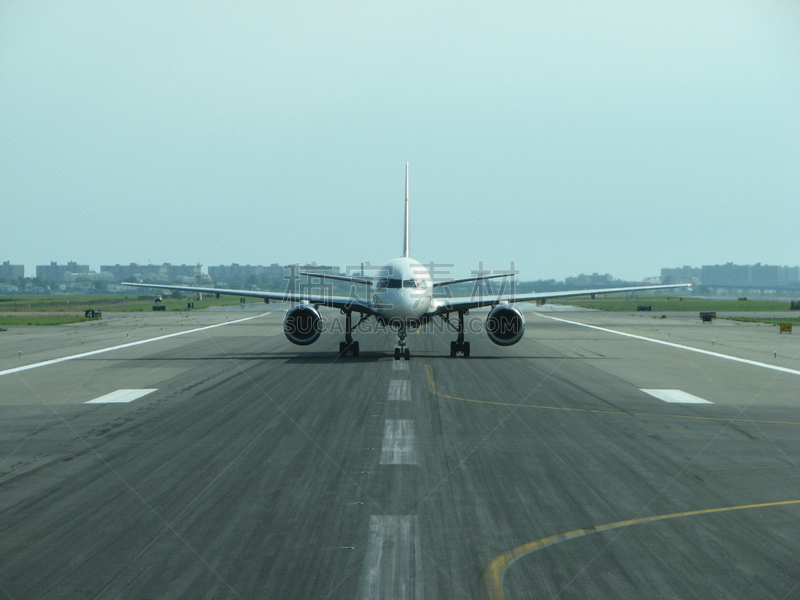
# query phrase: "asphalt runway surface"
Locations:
[[247, 467]]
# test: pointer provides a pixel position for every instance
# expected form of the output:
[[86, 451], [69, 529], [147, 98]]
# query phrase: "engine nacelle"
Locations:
[[505, 325], [302, 324]]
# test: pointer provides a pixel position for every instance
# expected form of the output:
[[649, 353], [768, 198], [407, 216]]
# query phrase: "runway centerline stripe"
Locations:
[[398, 443], [121, 396], [399, 365], [745, 361], [676, 397], [399, 389], [393, 564], [121, 346], [493, 576]]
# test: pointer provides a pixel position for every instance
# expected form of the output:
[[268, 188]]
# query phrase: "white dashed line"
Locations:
[[399, 389], [399, 365], [393, 564], [676, 397], [121, 396], [398, 443]]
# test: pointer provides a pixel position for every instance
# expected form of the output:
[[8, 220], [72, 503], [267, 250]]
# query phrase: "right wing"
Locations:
[[343, 302], [448, 305]]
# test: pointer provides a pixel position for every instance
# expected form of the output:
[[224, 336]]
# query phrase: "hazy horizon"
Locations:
[[564, 136]]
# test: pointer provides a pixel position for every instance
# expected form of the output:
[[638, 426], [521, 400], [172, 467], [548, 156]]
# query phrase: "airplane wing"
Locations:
[[343, 302], [481, 278], [363, 279], [448, 305]]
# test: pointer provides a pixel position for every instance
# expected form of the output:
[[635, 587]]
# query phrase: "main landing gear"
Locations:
[[348, 345], [459, 345], [402, 351]]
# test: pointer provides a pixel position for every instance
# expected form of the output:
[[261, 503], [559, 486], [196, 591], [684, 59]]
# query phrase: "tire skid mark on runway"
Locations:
[[597, 411], [54, 361], [493, 576]]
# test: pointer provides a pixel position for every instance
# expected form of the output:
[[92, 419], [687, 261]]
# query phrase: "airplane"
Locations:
[[402, 298]]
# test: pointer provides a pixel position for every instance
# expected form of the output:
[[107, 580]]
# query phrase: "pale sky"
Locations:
[[567, 136]]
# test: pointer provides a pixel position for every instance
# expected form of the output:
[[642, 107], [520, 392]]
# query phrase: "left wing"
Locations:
[[443, 306], [343, 302]]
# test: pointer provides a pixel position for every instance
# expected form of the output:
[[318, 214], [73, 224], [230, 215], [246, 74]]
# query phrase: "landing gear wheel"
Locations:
[[407, 354], [397, 353], [453, 349], [465, 349], [342, 348], [354, 349]]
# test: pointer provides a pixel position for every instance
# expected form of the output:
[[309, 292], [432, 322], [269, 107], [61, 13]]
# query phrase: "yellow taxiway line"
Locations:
[[493, 576]]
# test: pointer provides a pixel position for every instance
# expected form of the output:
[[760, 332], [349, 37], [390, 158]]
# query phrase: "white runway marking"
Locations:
[[121, 396], [399, 389], [676, 396], [393, 564], [755, 363], [128, 345], [398, 443], [399, 365]]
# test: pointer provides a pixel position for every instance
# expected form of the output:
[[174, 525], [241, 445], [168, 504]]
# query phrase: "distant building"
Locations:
[[685, 274], [594, 280], [757, 275], [315, 268], [161, 273], [11, 272], [237, 272], [56, 272]]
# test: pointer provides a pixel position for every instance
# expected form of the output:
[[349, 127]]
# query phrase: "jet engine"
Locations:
[[505, 325], [302, 324]]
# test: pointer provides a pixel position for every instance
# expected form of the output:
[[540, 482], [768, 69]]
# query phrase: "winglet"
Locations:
[[405, 239]]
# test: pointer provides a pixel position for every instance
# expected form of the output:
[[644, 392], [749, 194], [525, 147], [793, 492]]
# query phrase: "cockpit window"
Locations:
[[381, 284], [409, 283], [395, 283]]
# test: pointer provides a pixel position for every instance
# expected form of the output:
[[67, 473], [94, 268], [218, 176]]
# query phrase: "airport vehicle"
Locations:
[[402, 298]]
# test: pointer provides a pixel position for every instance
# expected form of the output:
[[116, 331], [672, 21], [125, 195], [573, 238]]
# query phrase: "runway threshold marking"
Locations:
[[676, 397], [393, 564], [493, 576], [398, 443], [596, 411], [121, 396], [399, 389], [745, 361], [121, 346]]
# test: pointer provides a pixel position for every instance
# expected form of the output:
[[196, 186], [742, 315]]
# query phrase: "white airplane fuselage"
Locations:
[[403, 291]]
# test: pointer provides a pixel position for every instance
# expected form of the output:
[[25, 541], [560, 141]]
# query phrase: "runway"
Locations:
[[246, 467]]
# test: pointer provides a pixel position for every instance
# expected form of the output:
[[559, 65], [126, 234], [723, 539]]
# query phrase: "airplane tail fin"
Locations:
[[405, 238]]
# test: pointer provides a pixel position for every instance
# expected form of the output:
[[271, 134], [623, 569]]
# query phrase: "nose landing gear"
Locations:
[[402, 351]]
